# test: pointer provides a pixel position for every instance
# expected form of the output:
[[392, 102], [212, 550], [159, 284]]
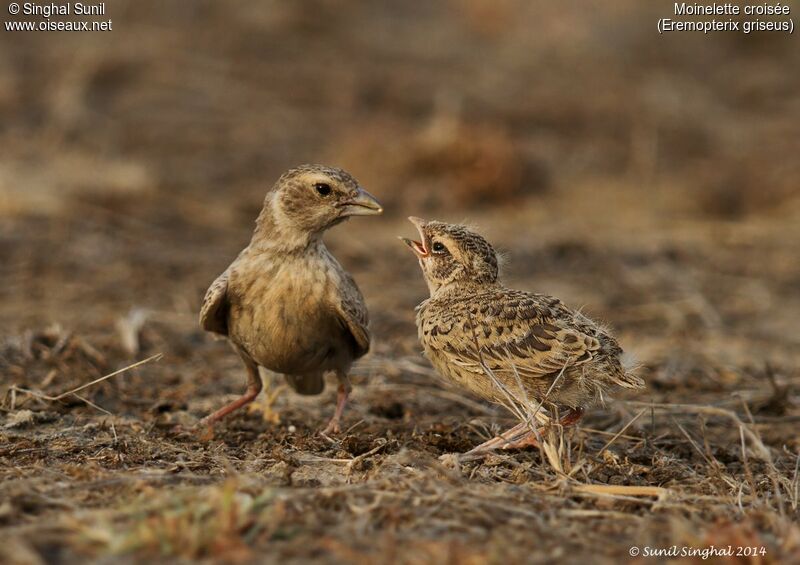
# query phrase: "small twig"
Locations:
[[353, 427], [623, 490], [372, 451], [692, 442], [762, 450], [63, 395], [622, 431], [93, 405], [155, 357], [605, 433], [796, 482], [748, 473]]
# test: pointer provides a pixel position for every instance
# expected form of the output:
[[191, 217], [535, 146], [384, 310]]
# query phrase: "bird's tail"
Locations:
[[306, 384], [629, 378]]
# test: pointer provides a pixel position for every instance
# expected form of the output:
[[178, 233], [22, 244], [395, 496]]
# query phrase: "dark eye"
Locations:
[[324, 189], [438, 247]]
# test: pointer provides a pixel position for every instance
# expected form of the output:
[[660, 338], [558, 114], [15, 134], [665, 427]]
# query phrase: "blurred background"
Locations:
[[651, 180]]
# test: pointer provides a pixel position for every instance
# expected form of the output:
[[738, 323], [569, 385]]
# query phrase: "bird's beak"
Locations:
[[363, 204], [418, 247]]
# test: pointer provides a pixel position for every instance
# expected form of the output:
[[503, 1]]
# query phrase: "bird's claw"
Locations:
[[333, 427]]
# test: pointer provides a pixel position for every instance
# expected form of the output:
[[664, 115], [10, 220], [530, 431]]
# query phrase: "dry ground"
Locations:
[[698, 304], [654, 184]]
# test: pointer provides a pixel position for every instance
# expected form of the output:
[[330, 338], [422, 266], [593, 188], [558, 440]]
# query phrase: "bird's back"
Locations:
[[525, 340]]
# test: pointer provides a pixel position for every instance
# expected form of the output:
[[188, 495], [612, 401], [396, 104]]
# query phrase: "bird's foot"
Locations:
[[333, 427], [520, 436], [204, 429], [210, 421], [265, 406], [531, 439]]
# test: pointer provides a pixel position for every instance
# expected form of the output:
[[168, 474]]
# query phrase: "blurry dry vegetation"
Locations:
[[652, 179]]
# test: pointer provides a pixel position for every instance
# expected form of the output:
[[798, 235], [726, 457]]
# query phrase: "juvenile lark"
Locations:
[[285, 303], [474, 330]]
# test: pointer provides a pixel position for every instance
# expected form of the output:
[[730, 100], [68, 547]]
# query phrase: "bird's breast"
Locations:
[[286, 320]]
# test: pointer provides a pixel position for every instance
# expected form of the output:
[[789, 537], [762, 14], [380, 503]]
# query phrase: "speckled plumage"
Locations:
[[285, 303], [470, 319], [535, 334]]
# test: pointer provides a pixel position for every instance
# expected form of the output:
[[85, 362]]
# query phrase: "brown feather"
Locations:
[[516, 335]]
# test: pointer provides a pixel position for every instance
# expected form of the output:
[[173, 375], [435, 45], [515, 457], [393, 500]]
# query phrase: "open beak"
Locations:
[[363, 204], [418, 247]]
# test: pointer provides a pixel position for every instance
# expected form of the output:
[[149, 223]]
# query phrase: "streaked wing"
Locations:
[[513, 330], [353, 314]]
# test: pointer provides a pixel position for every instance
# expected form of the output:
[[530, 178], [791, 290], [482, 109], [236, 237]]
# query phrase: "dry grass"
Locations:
[[659, 473]]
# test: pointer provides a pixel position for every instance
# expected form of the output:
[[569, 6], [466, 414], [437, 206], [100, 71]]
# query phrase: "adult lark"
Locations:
[[285, 303]]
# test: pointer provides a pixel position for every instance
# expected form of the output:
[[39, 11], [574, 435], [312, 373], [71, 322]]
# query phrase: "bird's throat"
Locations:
[[276, 232]]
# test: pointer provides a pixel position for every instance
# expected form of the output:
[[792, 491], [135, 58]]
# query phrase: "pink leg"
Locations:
[[528, 440], [572, 417], [341, 401], [253, 388], [498, 441], [518, 437]]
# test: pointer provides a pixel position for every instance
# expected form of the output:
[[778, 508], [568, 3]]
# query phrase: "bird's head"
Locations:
[[309, 199], [452, 254]]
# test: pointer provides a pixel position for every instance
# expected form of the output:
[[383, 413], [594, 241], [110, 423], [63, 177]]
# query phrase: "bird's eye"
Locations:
[[324, 189], [438, 247]]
